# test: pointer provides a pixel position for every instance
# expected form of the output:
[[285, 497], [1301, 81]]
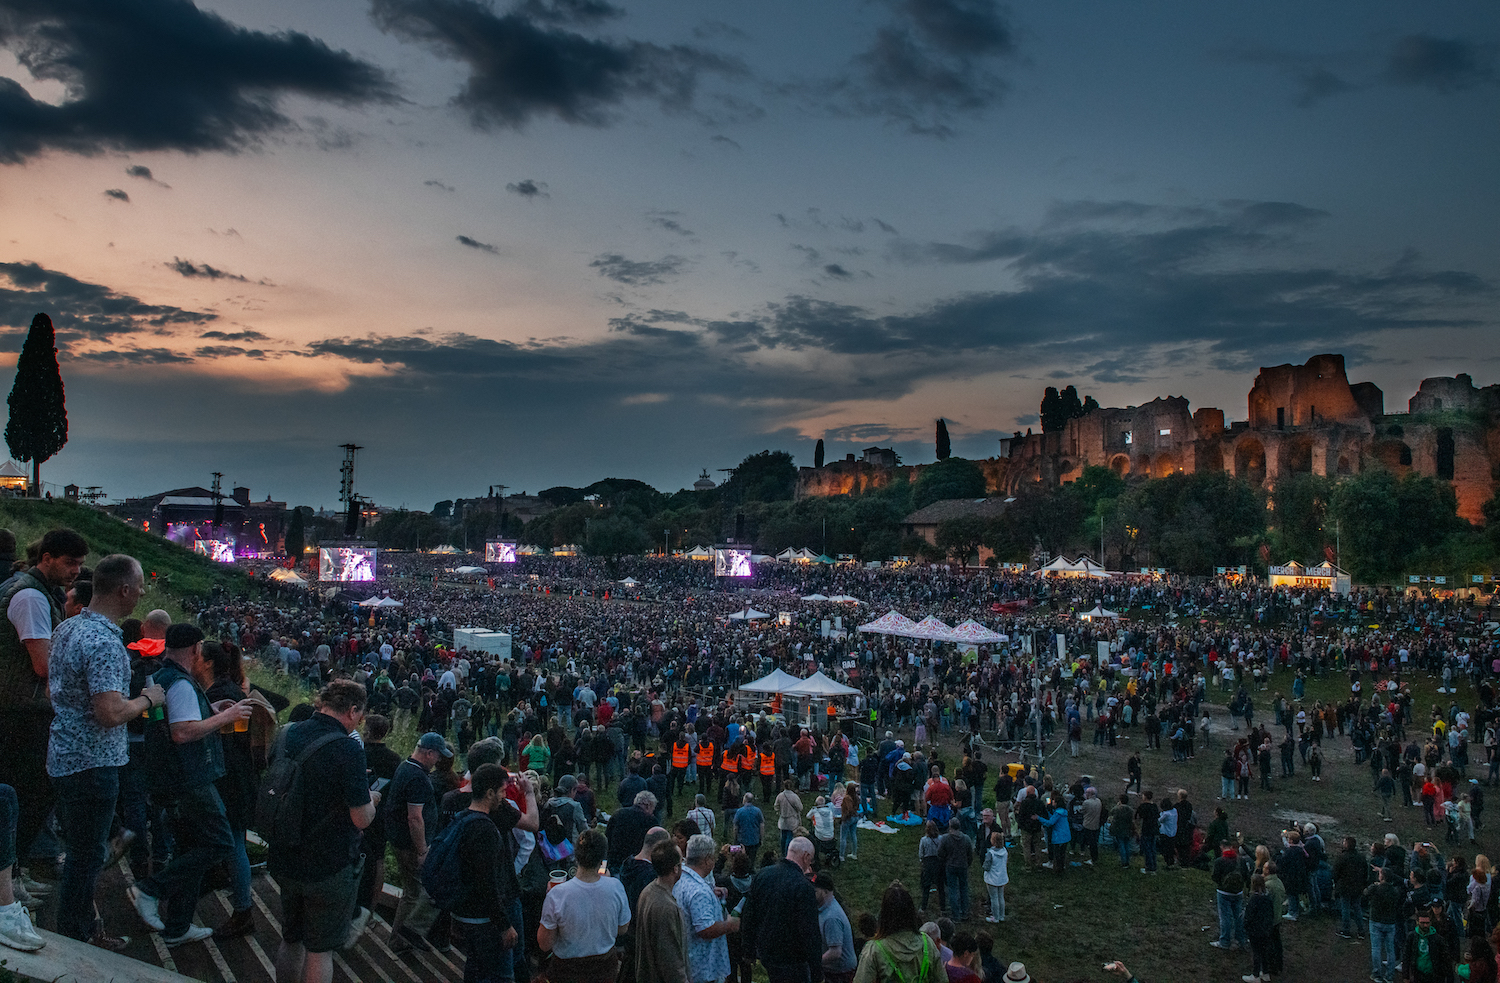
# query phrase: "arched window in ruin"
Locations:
[[1445, 453], [1164, 465], [1250, 461], [1120, 464]]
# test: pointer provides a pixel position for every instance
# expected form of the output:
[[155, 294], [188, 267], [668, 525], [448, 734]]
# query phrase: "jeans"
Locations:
[[1351, 917], [488, 959], [203, 840], [958, 893], [1293, 903], [239, 873], [1226, 788], [787, 835], [1148, 850], [1231, 919], [85, 808], [867, 798], [1088, 842], [1122, 843], [1383, 950], [997, 901], [849, 838]]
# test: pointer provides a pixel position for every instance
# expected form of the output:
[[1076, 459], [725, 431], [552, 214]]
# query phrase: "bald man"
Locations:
[[780, 907]]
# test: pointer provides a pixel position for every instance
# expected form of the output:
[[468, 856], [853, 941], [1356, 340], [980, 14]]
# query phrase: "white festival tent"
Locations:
[[285, 576], [389, 602], [891, 623], [815, 597], [748, 614], [845, 599], [1098, 612], [370, 602], [470, 571], [934, 629], [630, 581], [699, 553], [447, 549], [819, 687], [776, 682], [974, 633]]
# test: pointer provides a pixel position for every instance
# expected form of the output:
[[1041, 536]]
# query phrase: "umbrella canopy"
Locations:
[[891, 623], [820, 687], [815, 597], [776, 682], [933, 628]]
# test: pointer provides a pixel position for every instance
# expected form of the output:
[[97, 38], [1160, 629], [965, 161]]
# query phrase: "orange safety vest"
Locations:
[[729, 763], [705, 754], [747, 761], [680, 754], [768, 763]]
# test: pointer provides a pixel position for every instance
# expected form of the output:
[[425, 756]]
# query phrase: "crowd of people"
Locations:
[[145, 742]]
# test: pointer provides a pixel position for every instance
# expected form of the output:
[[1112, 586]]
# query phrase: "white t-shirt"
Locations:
[[31, 614], [586, 917], [182, 703]]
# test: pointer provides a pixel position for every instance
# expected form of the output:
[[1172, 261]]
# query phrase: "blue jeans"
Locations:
[[849, 838], [85, 808], [958, 894], [1383, 950], [10, 810], [488, 959], [1122, 843], [787, 835], [1351, 916], [867, 798], [203, 840], [1148, 851], [1232, 919], [239, 873]]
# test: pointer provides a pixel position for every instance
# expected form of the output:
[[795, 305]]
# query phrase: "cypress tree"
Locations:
[[944, 446], [38, 426], [818, 454]]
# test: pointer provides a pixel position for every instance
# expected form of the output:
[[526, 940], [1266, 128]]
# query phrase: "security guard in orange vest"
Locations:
[[767, 773], [705, 762], [729, 766], [747, 764], [677, 774]]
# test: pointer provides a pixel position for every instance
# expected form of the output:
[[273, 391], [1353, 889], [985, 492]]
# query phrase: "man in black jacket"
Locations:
[[1351, 874], [780, 907]]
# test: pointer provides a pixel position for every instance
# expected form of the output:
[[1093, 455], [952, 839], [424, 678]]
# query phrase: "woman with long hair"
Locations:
[[1479, 962], [899, 952]]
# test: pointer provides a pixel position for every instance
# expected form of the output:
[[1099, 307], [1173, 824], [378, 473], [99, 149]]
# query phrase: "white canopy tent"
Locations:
[[893, 622], [845, 599], [815, 597], [748, 614], [470, 571], [630, 582], [389, 602], [933, 628], [819, 687], [974, 633], [1098, 612], [776, 682], [370, 602], [285, 576]]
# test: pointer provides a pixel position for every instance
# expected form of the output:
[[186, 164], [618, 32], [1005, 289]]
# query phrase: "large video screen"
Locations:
[[220, 551], [499, 551], [731, 561], [346, 564]]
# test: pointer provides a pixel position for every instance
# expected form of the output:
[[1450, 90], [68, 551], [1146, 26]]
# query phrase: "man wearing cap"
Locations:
[[184, 759], [410, 811], [839, 957]]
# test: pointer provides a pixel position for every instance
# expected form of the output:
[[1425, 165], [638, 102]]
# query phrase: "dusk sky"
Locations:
[[550, 241]]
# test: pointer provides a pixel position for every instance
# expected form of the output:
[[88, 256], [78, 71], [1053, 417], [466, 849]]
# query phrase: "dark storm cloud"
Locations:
[[160, 75], [528, 189], [522, 66], [234, 336], [439, 185], [81, 310], [140, 171], [864, 432], [229, 351], [569, 11], [932, 61], [476, 244], [837, 271], [1440, 64], [638, 273], [118, 194], [189, 269], [136, 356]]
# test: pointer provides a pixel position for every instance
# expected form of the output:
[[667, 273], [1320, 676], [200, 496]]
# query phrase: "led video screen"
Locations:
[[731, 561], [499, 551], [217, 550], [346, 564]]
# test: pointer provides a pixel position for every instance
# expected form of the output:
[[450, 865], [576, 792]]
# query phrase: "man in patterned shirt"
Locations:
[[88, 677], [707, 948]]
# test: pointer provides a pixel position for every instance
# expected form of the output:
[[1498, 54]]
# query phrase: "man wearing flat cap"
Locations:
[[184, 758]]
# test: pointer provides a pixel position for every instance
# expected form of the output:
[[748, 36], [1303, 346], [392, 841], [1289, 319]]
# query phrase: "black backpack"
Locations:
[[442, 872], [278, 803]]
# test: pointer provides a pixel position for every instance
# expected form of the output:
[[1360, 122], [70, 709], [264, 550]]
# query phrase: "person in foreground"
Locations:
[[582, 918], [899, 952]]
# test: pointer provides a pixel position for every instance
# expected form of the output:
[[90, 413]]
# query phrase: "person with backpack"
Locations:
[[410, 810], [314, 800], [466, 874]]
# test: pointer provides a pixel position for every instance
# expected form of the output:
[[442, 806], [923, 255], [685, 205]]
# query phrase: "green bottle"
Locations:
[[157, 711]]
